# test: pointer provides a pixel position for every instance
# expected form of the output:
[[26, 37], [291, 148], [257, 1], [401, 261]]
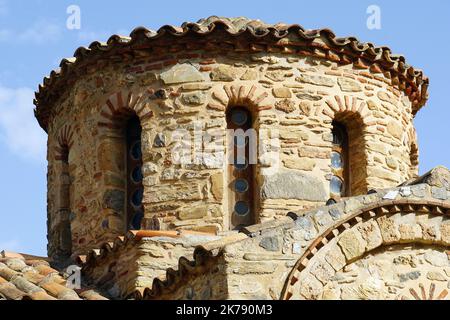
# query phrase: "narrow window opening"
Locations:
[[135, 189], [241, 169], [340, 180], [65, 231]]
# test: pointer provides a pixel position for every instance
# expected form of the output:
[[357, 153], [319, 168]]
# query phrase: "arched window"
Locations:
[[241, 168], [135, 189], [64, 231], [340, 180]]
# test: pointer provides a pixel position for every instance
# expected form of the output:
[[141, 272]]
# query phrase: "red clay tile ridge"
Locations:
[[235, 35]]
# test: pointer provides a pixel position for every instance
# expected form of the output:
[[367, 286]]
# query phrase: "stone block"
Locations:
[[290, 184], [352, 244], [181, 73], [349, 85], [315, 80]]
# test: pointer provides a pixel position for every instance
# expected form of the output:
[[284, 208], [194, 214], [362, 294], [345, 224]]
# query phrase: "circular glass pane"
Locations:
[[137, 220], [136, 151], [239, 117], [336, 160], [241, 165], [338, 136], [136, 175], [336, 185], [136, 198], [241, 208], [241, 185]]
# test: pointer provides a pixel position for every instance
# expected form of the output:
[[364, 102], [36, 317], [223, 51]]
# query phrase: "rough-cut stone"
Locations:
[[371, 234], [194, 99], [389, 229], [439, 193], [335, 258], [409, 276], [282, 92], [225, 73], [285, 105], [250, 74], [352, 244], [217, 185], [194, 213], [160, 140], [315, 80], [437, 259], [395, 129], [300, 164], [436, 276], [289, 184], [270, 243], [181, 73], [114, 199], [305, 96], [348, 85], [311, 288], [322, 271]]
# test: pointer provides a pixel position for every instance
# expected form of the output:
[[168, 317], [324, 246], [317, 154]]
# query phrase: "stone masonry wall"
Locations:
[[296, 96], [123, 267]]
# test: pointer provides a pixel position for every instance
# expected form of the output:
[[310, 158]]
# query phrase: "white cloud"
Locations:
[[19, 129], [40, 33]]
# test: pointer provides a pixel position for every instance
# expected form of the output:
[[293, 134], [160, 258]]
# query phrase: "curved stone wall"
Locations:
[[294, 97]]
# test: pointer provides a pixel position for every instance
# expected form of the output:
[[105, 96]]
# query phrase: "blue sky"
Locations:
[[34, 38]]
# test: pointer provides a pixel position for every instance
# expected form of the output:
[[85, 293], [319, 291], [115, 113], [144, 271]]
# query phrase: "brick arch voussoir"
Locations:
[[348, 104], [250, 96], [370, 212], [120, 106], [65, 140]]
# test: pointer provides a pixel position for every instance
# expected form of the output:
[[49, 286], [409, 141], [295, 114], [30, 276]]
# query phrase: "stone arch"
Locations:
[[382, 224], [250, 96], [65, 142], [120, 108], [348, 105], [355, 116], [60, 229]]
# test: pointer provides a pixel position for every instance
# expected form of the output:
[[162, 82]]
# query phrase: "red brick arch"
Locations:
[[382, 208], [120, 106], [65, 142], [250, 96]]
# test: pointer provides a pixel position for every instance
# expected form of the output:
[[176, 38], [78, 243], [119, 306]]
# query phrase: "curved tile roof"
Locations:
[[32, 278], [344, 50]]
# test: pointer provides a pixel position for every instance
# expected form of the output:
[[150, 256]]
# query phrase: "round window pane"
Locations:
[[137, 220], [136, 175], [136, 198], [241, 208], [336, 185], [241, 185], [336, 160], [136, 151], [239, 117], [241, 165]]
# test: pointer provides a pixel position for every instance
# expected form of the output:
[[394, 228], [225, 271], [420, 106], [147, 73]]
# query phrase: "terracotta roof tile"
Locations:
[[348, 49], [34, 279]]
